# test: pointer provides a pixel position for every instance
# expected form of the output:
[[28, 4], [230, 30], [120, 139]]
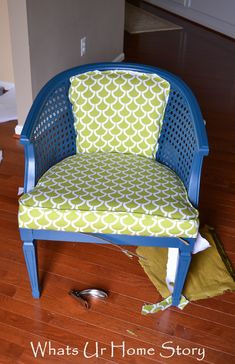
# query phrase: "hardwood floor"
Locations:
[[205, 60]]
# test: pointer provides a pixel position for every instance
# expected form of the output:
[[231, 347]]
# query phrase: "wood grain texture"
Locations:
[[205, 60]]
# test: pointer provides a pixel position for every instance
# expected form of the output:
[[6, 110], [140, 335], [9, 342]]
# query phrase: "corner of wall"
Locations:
[[21, 57]]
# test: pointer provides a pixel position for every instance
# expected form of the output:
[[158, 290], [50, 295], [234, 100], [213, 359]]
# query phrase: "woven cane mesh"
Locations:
[[177, 144], [54, 135]]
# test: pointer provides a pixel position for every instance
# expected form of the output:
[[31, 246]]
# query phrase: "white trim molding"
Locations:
[[119, 58], [18, 129]]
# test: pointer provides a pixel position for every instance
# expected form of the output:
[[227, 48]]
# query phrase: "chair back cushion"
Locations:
[[118, 111]]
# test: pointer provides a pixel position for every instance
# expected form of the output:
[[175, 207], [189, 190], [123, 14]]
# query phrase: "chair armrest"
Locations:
[[48, 135], [183, 142]]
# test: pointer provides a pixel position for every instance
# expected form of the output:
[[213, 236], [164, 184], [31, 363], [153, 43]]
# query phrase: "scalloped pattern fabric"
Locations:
[[110, 193], [118, 111]]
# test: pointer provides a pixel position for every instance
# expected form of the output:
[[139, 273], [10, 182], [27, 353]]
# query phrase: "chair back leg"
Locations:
[[31, 259]]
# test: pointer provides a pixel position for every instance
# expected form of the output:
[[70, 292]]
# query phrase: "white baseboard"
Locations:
[[119, 58], [18, 129], [7, 85]]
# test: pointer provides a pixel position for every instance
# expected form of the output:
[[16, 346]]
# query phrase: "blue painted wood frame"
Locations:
[[30, 237]]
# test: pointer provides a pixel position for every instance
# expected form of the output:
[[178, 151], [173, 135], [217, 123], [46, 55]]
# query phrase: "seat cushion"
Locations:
[[118, 111], [110, 193]]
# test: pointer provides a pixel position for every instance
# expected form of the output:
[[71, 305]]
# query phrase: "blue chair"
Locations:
[[85, 181]]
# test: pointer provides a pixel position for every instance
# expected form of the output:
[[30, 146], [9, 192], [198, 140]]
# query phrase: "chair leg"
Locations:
[[181, 274], [30, 254]]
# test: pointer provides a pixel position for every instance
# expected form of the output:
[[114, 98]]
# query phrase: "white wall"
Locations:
[[6, 67], [55, 30], [46, 39], [218, 15]]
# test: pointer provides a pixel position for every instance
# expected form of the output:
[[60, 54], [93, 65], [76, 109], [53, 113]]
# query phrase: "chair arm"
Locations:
[[183, 142], [48, 135]]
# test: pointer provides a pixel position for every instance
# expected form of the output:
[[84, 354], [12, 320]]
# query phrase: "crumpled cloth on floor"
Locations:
[[210, 273]]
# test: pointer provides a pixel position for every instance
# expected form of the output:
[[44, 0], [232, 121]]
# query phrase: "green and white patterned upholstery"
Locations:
[[110, 193], [118, 111]]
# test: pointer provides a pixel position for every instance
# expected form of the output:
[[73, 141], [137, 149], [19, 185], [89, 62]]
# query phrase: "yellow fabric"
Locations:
[[207, 276]]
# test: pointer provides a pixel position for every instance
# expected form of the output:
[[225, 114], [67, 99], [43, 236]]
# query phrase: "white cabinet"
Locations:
[[218, 15], [182, 2], [221, 10]]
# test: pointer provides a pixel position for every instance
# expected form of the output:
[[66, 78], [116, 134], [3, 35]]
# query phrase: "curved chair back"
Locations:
[[182, 144]]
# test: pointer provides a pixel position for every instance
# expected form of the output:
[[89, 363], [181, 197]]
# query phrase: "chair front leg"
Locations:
[[30, 254], [181, 274]]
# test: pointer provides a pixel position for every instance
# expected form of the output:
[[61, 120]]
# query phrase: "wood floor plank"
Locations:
[[66, 284], [128, 318], [23, 339], [105, 323], [44, 329], [9, 351]]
